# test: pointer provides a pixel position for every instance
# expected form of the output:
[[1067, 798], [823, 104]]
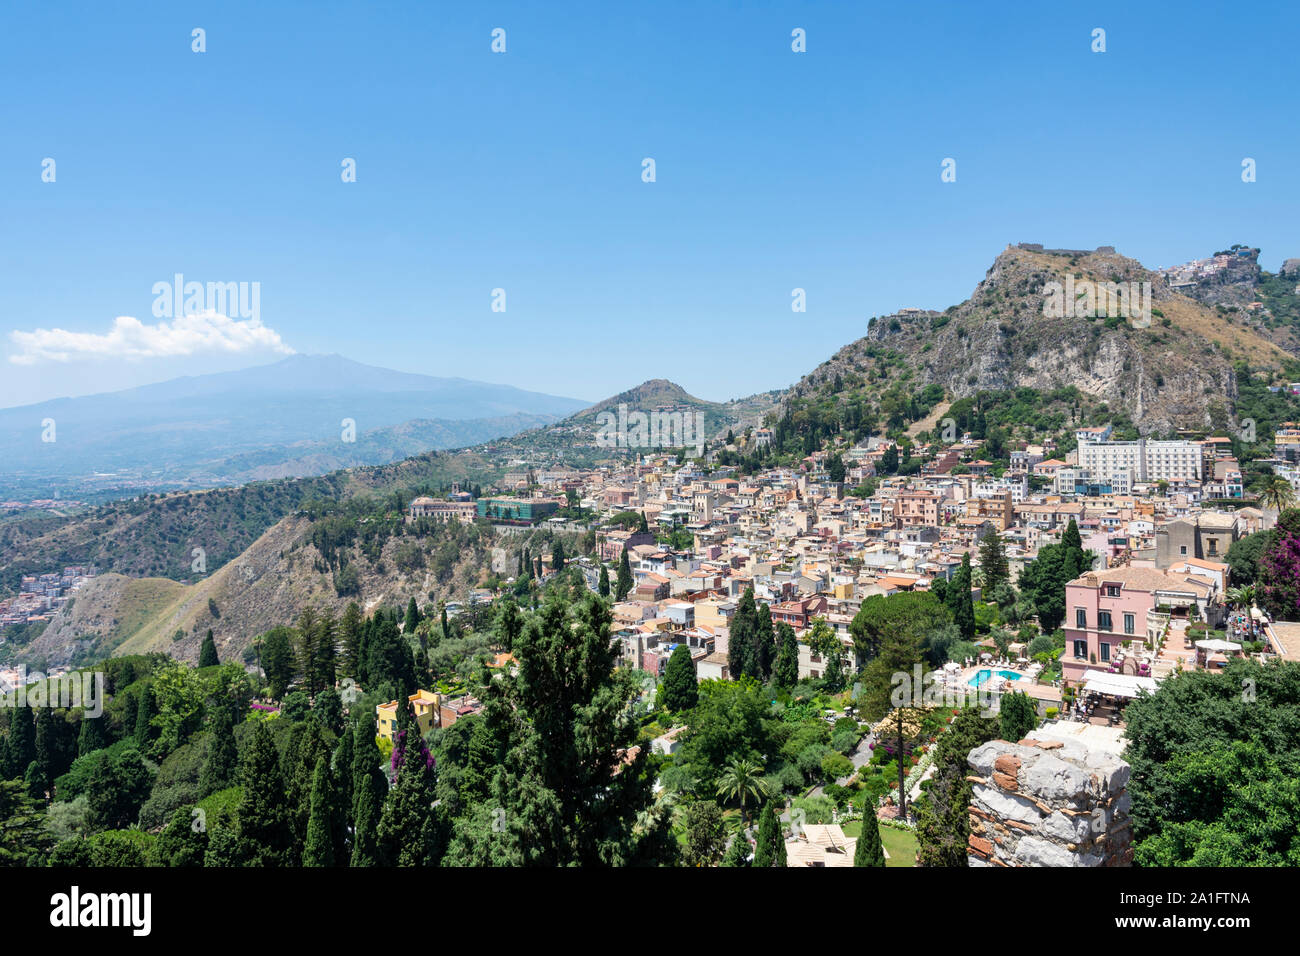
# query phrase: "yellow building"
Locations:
[[425, 705]]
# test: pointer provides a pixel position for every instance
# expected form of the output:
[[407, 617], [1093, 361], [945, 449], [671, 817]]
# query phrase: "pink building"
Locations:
[[1106, 609]]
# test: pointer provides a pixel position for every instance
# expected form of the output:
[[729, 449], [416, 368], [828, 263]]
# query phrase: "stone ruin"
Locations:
[[1043, 802]]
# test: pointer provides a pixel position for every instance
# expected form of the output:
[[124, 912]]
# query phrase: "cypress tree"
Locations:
[[92, 735], [740, 643], [770, 850], [222, 762], [264, 829], [1017, 716], [412, 618], [406, 831], [318, 849], [680, 689], [446, 626], [764, 654], [20, 743], [144, 715], [870, 851], [786, 670], [368, 789], [603, 586], [208, 651], [623, 585], [350, 625], [963, 607], [557, 557], [47, 749], [1075, 562]]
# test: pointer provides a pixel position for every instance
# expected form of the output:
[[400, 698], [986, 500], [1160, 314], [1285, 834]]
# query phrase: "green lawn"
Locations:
[[901, 844]]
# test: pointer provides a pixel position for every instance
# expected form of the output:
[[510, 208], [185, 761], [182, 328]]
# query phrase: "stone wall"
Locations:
[[1048, 803]]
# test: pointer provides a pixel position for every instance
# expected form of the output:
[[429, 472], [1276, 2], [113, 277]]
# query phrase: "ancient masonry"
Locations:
[[1045, 802]]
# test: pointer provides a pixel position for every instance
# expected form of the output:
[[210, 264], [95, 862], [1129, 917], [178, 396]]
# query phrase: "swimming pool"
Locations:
[[985, 674]]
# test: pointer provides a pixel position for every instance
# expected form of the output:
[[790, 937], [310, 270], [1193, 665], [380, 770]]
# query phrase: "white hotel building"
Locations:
[[1143, 460]]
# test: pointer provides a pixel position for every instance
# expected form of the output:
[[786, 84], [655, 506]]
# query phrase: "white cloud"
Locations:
[[202, 333]]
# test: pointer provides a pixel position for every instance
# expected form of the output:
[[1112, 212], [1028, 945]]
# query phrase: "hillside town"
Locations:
[[1158, 517], [41, 595]]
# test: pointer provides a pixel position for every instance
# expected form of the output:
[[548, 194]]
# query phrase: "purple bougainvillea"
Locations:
[[1279, 568]]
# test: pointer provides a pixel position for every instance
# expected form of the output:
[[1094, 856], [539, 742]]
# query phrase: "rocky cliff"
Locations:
[[1165, 376]]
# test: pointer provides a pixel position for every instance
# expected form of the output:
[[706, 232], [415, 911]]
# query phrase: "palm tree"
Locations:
[[743, 780], [1243, 596], [1278, 494]]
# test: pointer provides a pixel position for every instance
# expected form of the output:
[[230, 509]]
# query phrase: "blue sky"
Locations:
[[522, 171]]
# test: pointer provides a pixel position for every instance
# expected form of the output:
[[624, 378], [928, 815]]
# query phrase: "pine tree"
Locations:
[[264, 830], [208, 651], [24, 839], [870, 851], [993, 562], [318, 850], [575, 794], [737, 851], [786, 670], [770, 850], [181, 844], [603, 586], [623, 585], [680, 689]]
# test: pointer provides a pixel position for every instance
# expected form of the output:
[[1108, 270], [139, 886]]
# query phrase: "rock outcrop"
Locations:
[[1046, 802]]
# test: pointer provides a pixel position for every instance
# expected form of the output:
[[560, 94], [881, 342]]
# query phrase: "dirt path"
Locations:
[[929, 421]]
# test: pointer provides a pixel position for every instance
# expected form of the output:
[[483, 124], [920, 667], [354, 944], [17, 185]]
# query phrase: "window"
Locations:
[[1080, 648], [1080, 618], [1112, 590], [1182, 549], [1214, 546], [1105, 652], [1103, 621], [1128, 623]]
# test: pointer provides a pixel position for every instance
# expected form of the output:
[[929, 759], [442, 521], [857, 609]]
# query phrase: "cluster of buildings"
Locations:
[[40, 595], [1199, 270], [811, 550], [431, 710]]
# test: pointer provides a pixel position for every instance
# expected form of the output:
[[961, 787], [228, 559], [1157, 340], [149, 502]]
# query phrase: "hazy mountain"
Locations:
[[284, 418]]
